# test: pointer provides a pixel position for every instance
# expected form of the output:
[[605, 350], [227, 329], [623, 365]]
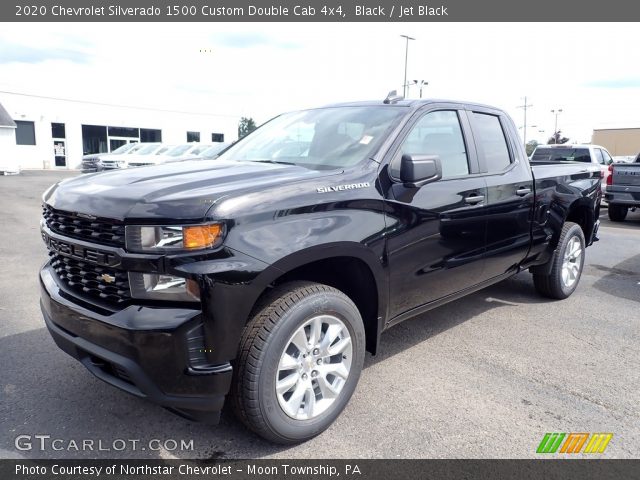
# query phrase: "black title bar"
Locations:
[[316, 11]]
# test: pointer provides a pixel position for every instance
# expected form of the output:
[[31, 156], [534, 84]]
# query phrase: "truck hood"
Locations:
[[173, 191]]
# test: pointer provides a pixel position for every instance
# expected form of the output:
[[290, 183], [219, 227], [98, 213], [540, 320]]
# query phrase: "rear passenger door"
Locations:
[[510, 196], [436, 232]]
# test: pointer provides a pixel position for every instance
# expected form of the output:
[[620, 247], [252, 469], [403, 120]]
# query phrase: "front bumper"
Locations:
[[145, 351]]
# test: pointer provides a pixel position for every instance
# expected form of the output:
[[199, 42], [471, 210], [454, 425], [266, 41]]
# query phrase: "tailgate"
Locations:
[[626, 174]]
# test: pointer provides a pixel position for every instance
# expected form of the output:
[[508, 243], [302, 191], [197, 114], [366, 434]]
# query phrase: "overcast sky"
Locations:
[[589, 70]]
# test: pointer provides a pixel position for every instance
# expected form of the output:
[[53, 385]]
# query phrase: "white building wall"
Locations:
[[44, 111], [8, 158]]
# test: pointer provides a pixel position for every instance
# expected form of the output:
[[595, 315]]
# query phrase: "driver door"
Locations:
[[437, 231]]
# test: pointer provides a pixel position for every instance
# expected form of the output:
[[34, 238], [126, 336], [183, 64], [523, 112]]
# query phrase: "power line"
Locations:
[[118, 105]]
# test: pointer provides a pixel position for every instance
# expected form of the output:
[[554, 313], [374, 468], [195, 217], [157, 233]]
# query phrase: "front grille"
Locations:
[[90, 281], [101, 231]]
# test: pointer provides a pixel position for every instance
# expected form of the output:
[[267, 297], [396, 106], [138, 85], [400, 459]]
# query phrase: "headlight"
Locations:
[[154, 286], [173, 238]]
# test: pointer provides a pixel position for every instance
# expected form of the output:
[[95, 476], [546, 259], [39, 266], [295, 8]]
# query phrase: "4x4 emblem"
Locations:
[[108, 278]]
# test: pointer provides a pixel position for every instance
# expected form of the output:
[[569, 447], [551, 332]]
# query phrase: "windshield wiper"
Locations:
[[273, 161]]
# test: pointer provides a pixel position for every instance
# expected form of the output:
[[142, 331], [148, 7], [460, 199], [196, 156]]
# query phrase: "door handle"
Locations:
[[522, 191], [474, 199]]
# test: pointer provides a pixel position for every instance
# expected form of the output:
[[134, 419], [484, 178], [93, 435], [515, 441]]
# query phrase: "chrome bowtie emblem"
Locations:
[[107, 278]]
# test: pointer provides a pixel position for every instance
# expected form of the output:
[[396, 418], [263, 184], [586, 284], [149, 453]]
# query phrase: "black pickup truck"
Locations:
[[264, 275]]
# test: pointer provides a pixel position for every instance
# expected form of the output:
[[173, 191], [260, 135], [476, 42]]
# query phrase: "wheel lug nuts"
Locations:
[[314, 374], [319, 362], [316, 351], [304, 376]]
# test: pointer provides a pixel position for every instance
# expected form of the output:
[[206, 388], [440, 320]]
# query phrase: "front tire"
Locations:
[[617, 213], [299, 362], [567, 263]]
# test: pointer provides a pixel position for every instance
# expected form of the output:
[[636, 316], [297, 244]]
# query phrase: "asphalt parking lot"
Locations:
[[484, 377]]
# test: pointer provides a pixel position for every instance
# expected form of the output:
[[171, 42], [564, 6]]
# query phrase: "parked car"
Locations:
[[265, 279], [178, 153], [623, 189], [149, 159], [93, 162], [114, 162], [594, 154]]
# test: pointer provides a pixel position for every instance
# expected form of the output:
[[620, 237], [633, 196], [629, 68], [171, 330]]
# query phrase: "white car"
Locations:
[[585, 153], [179, 153], [115, 161]]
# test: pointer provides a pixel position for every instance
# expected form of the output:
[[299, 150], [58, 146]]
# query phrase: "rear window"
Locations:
[[560, 154]]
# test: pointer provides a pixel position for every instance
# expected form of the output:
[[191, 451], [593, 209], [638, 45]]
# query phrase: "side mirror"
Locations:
[[418, 170]]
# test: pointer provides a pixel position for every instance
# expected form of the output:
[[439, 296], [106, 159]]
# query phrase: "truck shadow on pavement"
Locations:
[[517, 290], [45, 392], [622, 280]]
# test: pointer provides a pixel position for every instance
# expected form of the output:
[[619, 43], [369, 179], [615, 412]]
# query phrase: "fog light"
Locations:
[[154, 286]]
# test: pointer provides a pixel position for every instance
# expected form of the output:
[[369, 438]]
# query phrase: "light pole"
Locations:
[[422, 84], [555, 129], [406, 59], [525, 106]]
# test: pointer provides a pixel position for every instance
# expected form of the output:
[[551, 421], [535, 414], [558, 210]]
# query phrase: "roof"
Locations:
[[569, 145], [608, 129], [5, 119], [414, 103]]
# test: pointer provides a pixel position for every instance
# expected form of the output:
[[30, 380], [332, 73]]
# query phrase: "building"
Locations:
[[54, 133], [7, 143], [619, 141]]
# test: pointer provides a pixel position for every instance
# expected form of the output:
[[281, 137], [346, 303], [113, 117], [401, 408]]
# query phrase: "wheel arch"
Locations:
[[349, 267]]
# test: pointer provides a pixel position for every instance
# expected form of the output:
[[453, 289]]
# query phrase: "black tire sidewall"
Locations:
[[332, 303], [573, 231], [617, 213]]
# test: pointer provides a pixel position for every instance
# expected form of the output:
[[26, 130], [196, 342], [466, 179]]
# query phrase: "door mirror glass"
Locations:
[[418, 170]]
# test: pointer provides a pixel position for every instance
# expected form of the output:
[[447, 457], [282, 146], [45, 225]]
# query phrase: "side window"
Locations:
[[437, 133], [490, 138], [606, 158], [599, 157]]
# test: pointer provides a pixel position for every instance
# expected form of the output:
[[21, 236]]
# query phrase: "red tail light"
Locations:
[[610, 177]]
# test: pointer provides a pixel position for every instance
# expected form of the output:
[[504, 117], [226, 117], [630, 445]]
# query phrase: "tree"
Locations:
[[531, 146], [557, 138], [246, 125]]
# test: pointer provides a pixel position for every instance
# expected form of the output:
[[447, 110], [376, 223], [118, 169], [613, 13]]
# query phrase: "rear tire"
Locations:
[[299, 362], [617, 213], [566, 264]]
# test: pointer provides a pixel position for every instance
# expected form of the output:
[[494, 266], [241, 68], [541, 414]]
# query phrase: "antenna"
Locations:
[[392, 97]]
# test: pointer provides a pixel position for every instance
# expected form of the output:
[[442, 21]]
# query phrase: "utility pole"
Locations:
[[406, 59], [525, 106], [555, 129]]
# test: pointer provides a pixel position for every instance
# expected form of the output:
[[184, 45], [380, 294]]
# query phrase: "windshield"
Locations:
[[148, 149], [164, 149], [561, 154], [214, 150], [136, 148], [124, 148], [179, 150], [199, 149], [326, 138]]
